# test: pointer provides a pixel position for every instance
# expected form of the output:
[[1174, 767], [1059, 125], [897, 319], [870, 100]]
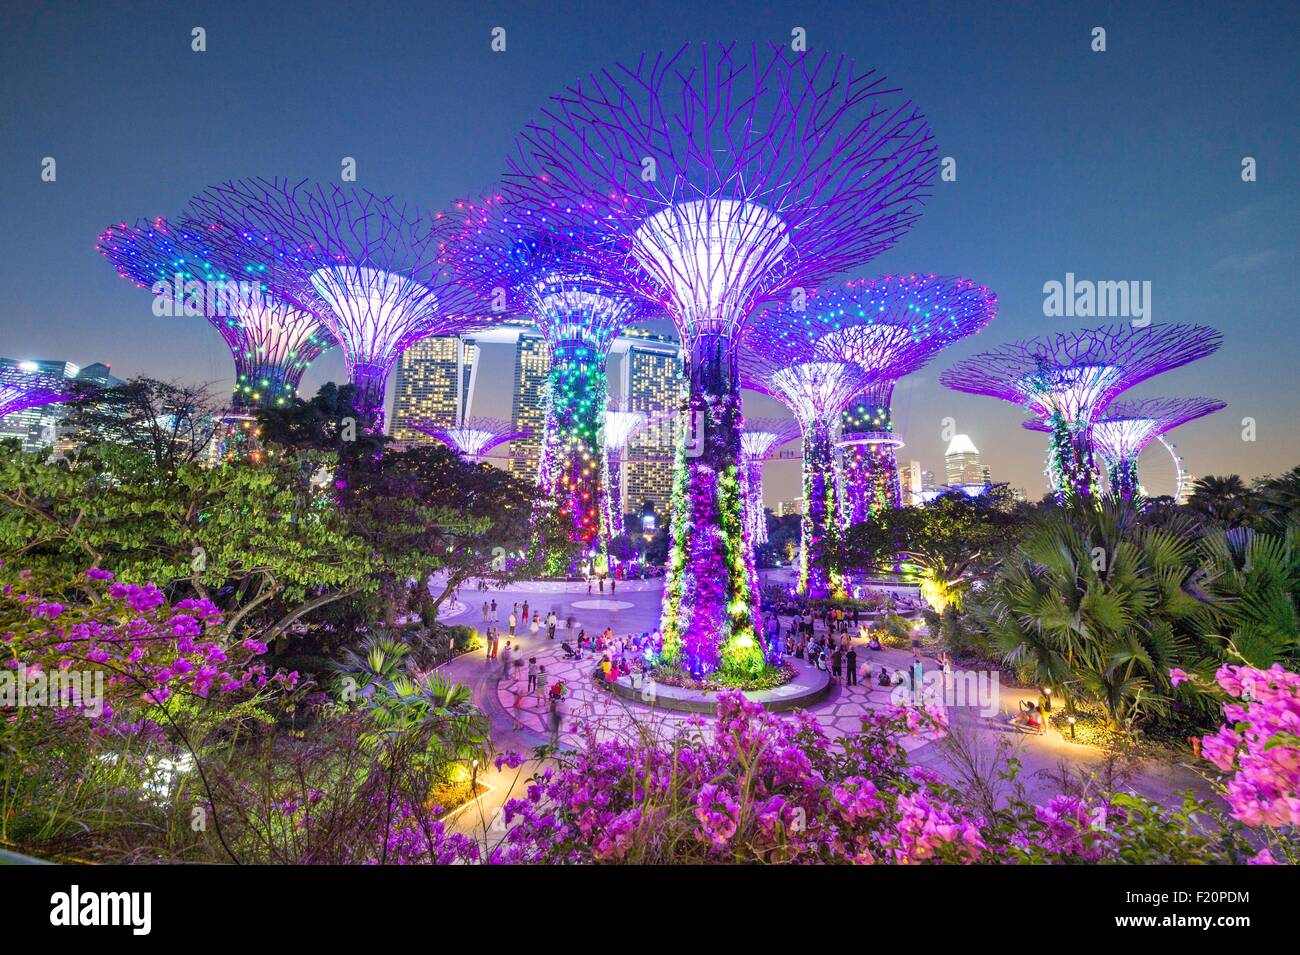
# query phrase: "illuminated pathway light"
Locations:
[[732, 176], [369, 266], [272, 342], [1069, 378]]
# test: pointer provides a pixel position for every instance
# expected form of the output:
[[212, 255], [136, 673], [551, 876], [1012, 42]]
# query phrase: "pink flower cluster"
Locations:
[[1260, 744], [754, 787]]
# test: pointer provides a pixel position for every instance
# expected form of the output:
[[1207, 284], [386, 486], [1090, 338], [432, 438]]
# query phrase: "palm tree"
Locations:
[[1279, 500], [1256, 577], [1225, 500], [1100, 608]]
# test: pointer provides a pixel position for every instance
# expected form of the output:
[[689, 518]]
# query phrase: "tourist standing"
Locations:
[[532, 674], [525, 617], [513, 621], [539, 685], [550, 625], [851, 674], [496, 642], [486, 618], [613, 582], [506, 654]]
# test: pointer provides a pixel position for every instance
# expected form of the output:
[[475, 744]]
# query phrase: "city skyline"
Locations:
[[1051, 185]]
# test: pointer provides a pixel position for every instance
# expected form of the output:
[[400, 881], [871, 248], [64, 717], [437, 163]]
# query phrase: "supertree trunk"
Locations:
[[369, 381], [822, 535], [570, 465], [612, 502], [1123, 476], [1071, 462], [870, 481], [709, 619], [755, 516]]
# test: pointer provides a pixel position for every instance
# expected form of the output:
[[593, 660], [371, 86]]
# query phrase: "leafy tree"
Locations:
[[174, 425], [1225, 500]]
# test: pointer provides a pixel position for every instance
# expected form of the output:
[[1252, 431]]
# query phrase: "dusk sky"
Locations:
[[1122, 165]]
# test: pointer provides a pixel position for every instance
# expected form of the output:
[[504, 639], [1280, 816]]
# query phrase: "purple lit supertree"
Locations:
[[369, 266], [20, 390], [271, 341], [761, 437], [1069, 378], [473, 437], [785, 358], [620, 426], [572, 287], [1121, 433], [731, 176], [891, 325]]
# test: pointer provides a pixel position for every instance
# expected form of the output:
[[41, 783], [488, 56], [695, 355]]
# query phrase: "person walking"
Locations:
[[494, 607], [496, 642], [513, 621], [837, 664], [539, 685], [486, 618], [506, 654], [525, 617], [532, 674], [550, 625], [487, 643], [851, 673], [613, 583]]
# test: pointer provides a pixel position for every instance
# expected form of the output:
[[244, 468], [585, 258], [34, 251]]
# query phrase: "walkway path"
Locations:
[[519, 719]]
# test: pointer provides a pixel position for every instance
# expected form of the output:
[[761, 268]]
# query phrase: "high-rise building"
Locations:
[[435, 381], [38, 427], [528, 411], [962, 463], [792, 506], [910, 484], [651, 384]]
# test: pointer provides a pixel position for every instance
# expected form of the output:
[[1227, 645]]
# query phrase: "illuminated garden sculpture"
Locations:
[[891, 325], [731, 176], [620, 426], [783, 358], [1123, 431], [761, 438], [272, 342], [571, 287], [369, 266], [1068, 379], [473, 437], [20, 390]]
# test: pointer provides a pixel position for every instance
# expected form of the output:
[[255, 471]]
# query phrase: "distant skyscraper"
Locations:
[[435, 382], [962, 462], [651, 384], [911, 484], [792, 506], [37, 427], [528, 412]]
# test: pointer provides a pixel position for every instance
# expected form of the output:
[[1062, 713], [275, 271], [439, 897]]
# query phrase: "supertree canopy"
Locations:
[[761, 437], [571, 286], [20, 390], [473, 437], [1121, 433], [1069, 378], [784, 358], [271, 341], [620, 426], [891, 325], [731, 175], [369, 266]]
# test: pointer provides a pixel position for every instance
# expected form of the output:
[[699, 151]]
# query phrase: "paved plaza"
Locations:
[[520, 719]]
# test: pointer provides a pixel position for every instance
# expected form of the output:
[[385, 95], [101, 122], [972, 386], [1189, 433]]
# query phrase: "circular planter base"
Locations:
[[808, 687]]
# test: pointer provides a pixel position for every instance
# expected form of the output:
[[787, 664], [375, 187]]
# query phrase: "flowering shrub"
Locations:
[[1260, 746]]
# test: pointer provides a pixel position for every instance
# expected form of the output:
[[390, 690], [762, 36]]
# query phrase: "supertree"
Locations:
[[761, 437], [1069, 378], [732, 176], [785, 358], [368, 265], [892, 325], [570, 286], [20, 390], [1122, 432], [473, 437], [620, 426], [270, 340]]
